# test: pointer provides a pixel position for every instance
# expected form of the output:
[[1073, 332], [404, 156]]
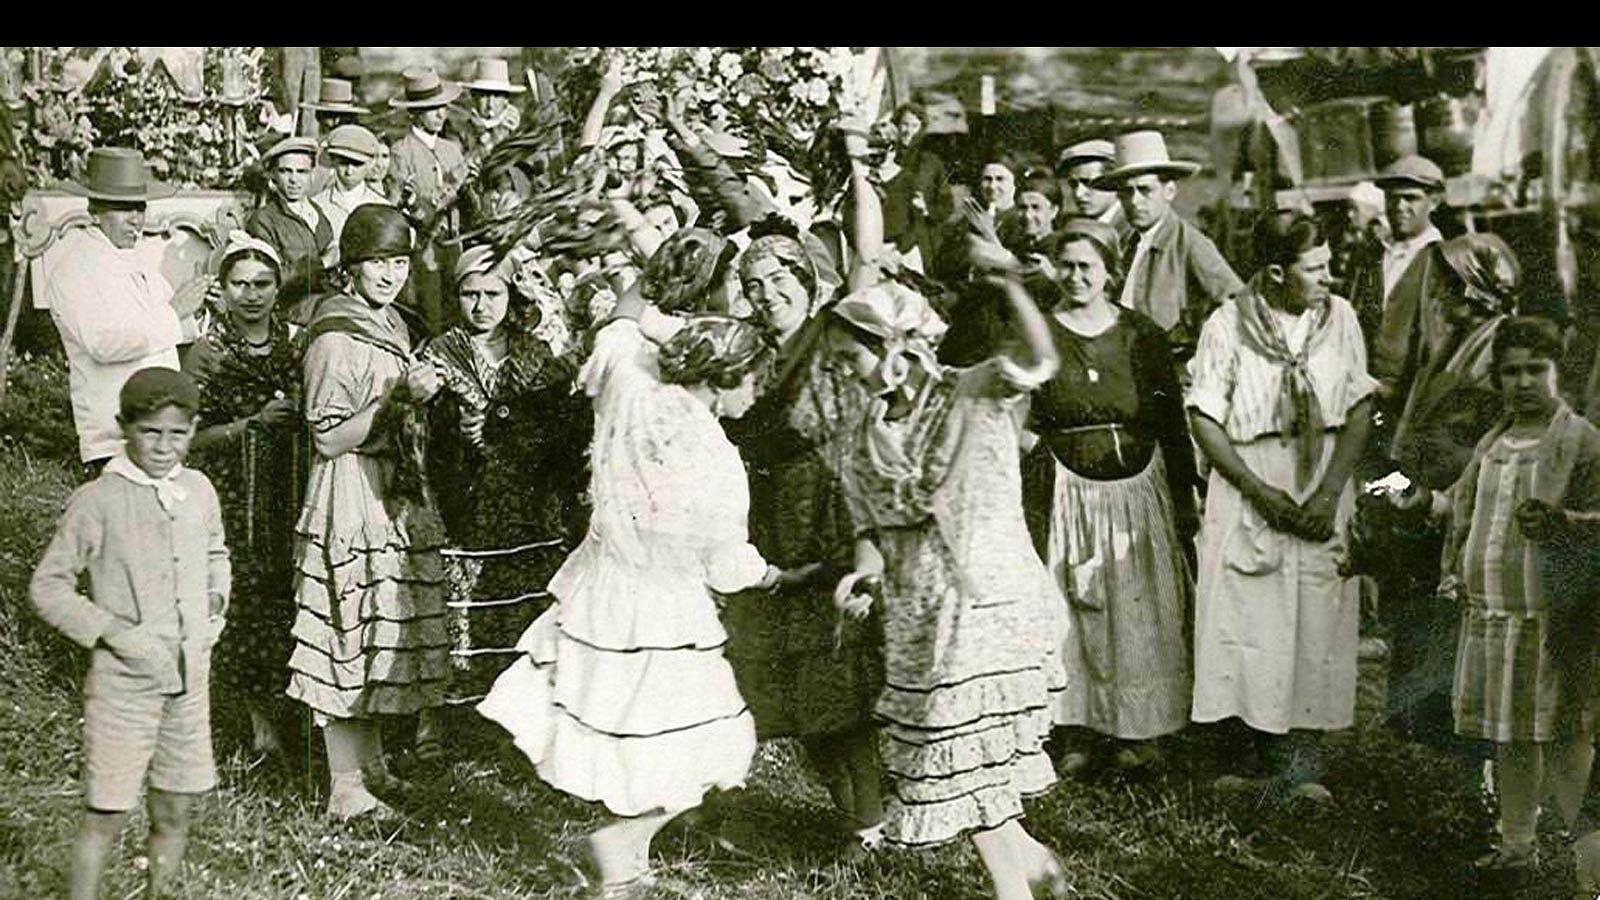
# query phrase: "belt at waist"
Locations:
[[1111, 450]]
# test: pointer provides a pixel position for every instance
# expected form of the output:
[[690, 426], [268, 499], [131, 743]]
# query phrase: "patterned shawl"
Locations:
[[1299, 410]]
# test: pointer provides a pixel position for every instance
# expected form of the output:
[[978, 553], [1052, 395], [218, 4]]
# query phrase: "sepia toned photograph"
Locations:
[[763, 473]]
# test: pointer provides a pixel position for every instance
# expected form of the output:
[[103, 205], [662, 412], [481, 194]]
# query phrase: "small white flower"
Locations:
[[730, 66], [817, 92], [702, 58]]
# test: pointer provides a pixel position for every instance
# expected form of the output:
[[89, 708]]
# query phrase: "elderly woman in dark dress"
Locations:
[[1109, 500], [251, 445], [505, 457]]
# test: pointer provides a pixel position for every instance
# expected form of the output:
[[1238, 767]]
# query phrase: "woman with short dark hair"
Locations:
[[1279, 404]]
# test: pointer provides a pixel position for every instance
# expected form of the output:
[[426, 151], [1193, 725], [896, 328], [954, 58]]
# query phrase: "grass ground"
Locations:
[[1406, 824]]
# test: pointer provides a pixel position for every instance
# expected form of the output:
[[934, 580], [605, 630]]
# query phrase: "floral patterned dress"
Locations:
[[259, 476], [515, 504], [972, 620]]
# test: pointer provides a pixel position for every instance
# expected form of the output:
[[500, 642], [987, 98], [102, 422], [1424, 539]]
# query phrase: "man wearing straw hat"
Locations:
[[1175, 274], [427, 170], [114, 312], [493, 117], [348, 151]]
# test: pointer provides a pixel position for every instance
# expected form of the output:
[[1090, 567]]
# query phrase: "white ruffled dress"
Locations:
[[621, 694]]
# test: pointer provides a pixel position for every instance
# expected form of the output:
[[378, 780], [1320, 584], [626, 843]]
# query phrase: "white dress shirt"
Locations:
[[1397, 258], [115, 317]]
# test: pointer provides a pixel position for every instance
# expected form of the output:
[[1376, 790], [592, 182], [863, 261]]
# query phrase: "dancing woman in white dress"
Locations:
[[621, 695]]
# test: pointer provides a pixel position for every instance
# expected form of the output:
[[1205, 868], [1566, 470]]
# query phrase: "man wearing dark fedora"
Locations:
[[114, 311], [427, 169], [288, 220], [1175, 275]]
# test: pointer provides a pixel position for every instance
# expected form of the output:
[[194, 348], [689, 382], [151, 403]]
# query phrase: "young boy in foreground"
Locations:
[[148, 532]]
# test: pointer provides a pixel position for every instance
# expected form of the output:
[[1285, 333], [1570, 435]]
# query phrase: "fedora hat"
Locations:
[[1142, 152], [424, 89], [337, 96], [118, 174], [493, 75], [1097, 150], [352, 142]]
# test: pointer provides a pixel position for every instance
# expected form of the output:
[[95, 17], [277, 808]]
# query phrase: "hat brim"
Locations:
[[495, 87], [350, 108], [1067, 162], [1383, 183], [448, 93], [351, 155], [154, 190], [1175, 168]]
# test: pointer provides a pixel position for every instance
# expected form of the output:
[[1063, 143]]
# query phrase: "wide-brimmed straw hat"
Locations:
[[424, 89], [119, 175], [492, 76], [1145, 152], [337, 96]]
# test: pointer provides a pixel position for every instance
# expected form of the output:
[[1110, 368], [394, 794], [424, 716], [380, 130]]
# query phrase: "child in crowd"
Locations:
[[150, 626], [1517, 558]]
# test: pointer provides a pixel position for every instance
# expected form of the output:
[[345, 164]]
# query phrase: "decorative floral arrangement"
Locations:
[[780, 99], [131, 96]]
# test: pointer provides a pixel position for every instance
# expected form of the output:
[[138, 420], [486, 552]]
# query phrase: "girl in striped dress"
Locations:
[[370, 629], [1517, 560]]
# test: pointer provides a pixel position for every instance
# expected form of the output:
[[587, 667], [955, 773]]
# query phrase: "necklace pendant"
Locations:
[[1094, 375]]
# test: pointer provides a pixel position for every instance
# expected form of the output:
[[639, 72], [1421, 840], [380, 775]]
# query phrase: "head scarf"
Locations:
[[242, 241], [712, 349], [480, 260], [1299, 410], [683, 268], [1487, 267], [903, 320]]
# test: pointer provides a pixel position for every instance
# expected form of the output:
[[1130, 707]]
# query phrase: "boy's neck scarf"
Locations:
[[168, 492], [1299, 410]]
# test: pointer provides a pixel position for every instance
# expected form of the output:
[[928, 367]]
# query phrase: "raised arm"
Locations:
[[866, 217], [610, 87]]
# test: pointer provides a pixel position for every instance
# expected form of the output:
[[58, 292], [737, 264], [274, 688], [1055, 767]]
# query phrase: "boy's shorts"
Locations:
[[131, 729]]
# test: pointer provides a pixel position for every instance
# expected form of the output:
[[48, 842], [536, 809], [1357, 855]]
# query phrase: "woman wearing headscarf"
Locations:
[[1279, 403], [505, 455], [806, 672], [972, 621], [1109, 494], [621, 695], [250, 443], [370, 629]]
